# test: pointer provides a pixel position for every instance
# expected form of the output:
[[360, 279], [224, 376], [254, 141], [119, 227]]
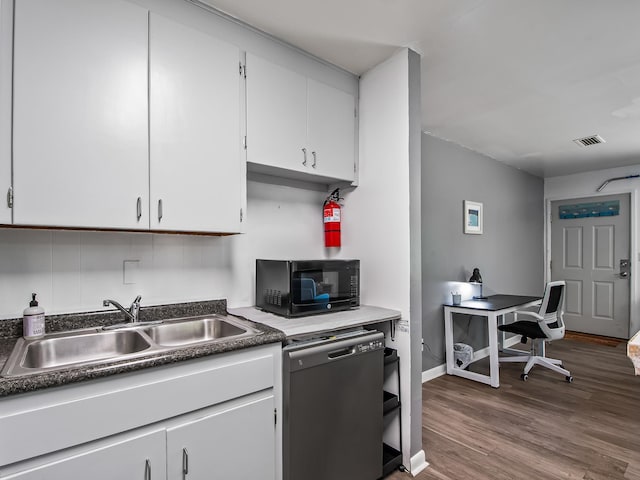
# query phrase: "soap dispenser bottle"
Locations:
[[33, 320]]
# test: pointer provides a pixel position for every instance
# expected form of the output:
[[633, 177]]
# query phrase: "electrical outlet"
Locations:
[[130, 272]]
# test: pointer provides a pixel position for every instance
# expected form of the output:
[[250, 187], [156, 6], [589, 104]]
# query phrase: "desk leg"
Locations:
[[448, 339], [501, 334], [492, 324]]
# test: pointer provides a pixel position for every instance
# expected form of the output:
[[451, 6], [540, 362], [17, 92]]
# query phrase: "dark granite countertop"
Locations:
[[11, 330]]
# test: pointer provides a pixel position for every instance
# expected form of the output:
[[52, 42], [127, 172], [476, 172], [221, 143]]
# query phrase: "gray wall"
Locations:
[[509, 253]]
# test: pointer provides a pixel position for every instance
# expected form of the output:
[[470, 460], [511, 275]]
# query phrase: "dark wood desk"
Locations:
[[494, 307]]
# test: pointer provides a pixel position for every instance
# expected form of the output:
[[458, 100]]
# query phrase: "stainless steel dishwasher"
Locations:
[[333, 399]]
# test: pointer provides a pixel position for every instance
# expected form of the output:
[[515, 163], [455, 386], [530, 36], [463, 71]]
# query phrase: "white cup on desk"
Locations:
[[456, 298]]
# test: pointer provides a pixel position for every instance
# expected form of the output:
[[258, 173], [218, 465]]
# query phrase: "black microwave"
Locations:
[[305, 287]]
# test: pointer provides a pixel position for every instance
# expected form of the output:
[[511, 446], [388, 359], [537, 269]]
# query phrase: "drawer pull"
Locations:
[[304, 152]]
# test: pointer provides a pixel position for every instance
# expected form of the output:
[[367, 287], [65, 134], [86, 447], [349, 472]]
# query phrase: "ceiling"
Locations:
[[516, 80]]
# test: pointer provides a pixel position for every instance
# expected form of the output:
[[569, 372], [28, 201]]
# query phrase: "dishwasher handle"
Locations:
[[341, 353]]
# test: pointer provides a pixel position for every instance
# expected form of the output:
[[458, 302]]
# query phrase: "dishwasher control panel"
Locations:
[[372, 345], [332, 349]]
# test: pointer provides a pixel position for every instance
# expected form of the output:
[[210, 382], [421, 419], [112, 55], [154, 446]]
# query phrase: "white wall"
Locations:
[[585, 185], [284, 221], [378, 223], [510, 245]]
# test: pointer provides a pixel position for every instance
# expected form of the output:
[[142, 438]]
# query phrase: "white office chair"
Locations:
[[548, 325]]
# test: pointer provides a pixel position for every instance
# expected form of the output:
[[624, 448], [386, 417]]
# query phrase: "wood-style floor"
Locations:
[[544, 428]]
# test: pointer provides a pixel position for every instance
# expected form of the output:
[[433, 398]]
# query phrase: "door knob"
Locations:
[[625, 267]]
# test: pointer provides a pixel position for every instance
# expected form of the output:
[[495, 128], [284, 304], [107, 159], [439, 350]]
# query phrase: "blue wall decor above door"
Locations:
[[595, 209]]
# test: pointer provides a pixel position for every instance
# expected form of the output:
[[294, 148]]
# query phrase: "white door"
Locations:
[[589, 253], [194, 130], [331, 131], [237, 443], [6, 38], [276, 116], [80, 131], [138, 458]]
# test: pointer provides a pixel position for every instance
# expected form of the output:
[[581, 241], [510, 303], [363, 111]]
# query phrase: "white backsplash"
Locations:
[[74, 271]]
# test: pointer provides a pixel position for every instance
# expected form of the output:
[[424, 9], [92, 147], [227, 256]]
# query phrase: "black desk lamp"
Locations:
[[476, 278]]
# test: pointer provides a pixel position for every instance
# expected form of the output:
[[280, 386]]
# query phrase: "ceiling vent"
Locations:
[[588, 141]]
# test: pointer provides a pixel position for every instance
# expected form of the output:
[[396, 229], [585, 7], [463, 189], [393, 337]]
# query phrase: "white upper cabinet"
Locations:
[[80, 127], [6, 40], [276, 115], [297, 125], [117, 116], [195, 137], [331, 130]]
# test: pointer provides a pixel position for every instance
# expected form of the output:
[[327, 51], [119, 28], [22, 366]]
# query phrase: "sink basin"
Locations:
[[94, 346], [61, 351], [194, 331]]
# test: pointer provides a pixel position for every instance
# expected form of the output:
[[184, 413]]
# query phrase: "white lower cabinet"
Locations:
[[201, 419], [236, 443], [141, 457]]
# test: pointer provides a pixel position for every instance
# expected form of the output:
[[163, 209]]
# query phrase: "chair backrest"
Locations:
[[551, 310]]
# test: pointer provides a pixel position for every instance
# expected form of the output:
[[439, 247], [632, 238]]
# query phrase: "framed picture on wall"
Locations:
[[472, 217]]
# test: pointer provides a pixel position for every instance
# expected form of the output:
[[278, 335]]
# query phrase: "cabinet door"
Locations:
[[194, 130], [6, 38], [276, 115], [331, 130], [138, 458], [80, 135], [236, 444]]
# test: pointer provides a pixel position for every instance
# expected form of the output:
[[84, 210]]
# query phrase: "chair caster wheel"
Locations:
[[524, 377], [569, 378]]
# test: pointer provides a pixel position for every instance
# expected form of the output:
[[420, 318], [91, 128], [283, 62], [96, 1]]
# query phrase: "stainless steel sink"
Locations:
[[131, 340], [60, 351], [199, 330]]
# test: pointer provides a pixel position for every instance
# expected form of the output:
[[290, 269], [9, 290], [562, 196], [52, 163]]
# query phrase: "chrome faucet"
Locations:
[[131, 313]]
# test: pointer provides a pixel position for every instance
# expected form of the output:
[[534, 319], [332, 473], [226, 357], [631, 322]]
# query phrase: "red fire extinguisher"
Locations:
[[331, 214]]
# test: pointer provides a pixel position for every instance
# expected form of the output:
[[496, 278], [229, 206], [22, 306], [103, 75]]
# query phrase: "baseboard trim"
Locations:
[[440, 370], [434, 373], [418, 463]]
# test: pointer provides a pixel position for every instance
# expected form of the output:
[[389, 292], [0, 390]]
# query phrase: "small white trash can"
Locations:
[[462, 354]]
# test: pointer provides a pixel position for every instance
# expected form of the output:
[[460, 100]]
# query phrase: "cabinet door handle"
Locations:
[[185, 462], [139, 208], [147, 470], [315, 160], [304, 152], [159, 209]]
